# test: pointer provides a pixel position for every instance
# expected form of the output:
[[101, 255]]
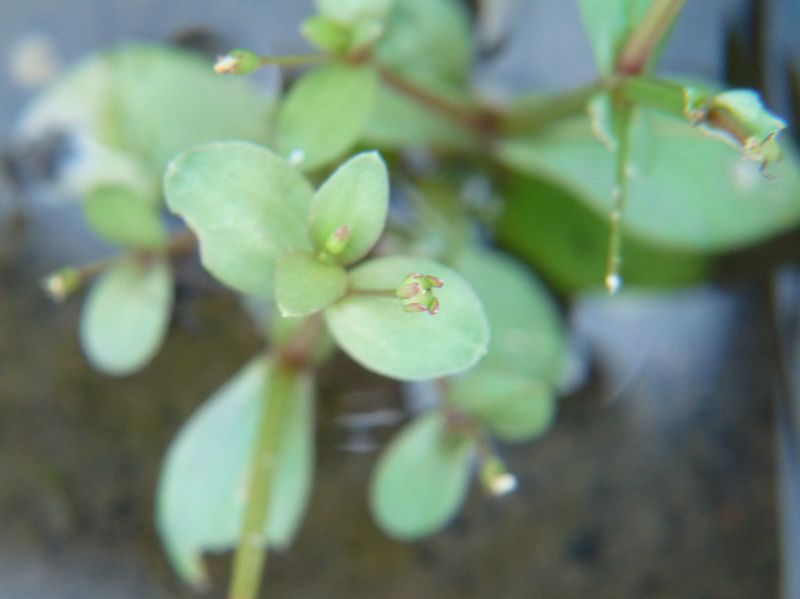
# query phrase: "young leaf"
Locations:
[[125, 316], [377, 333], [421, 478], [202, 490], [304, 284], [515, 407], [247, 206], [350, 11], [527, 333], [120, 215], [688, 192], [354, 200], [325, 113]]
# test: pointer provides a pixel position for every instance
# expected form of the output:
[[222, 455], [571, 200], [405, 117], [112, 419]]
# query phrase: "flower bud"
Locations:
[[60, 284], [337, 241], [237, 62], [416, 293], [496, 478]]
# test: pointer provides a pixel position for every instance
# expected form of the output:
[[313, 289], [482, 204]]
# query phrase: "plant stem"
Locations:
[[648, 36], [530, 114], [392, 293], [294, 60], [251, 552], [479, 120], [622, 116]]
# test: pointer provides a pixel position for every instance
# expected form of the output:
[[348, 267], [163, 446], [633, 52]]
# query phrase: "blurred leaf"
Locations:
[[428, 40], [527, 333], [355, 196], [149, 102], [349, 11], [421, 479], [202, 491], [126, 314], [568, 242], [688, 192], [609, 23], [377, 333], [514, 406], [325, 113], [400, 122], [120, 215], [304, 284], [247, 206]]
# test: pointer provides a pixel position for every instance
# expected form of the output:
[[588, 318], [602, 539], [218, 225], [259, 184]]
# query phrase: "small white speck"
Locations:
[[503, 484], [296, 157], [613, 283]]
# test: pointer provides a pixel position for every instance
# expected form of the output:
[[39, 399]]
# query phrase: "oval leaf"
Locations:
[[515, 407], [202, 489], [304, 284], [377, 333], [421, 479], [325, 113], [527, 334], [349, 11], [609, 23], [247, 206], [120, 215], [355, 196], [689, 191], [125, 316]]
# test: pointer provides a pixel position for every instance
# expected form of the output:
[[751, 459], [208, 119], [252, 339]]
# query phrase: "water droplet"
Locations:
[[613, 283], [296, 157]]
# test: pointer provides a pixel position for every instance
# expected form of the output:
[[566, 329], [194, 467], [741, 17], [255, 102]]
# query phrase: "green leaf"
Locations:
[[515, 407], [120, 215], [304, 284], [688, 191], [247, 206], [428, 40], [527, 333], [355, 196], [609, 23], [570, 243], [202, 489], [421, 479], [377, 333], [148, 103], [350, 11], [126, 314], [325, 113]]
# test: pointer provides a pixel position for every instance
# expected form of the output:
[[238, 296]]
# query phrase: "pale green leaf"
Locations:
[[377, 333], [325, 113], [687, 190], [120, 215], [428, 40], [515, 407], [527, 333], [421, 479], [202, 491], [355, 196], [149, 103], [609, 23], [304, 284], [247, 206], [350, 11], [126, 314]]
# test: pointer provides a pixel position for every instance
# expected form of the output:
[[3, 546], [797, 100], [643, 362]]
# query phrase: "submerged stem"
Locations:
[[251, 552]]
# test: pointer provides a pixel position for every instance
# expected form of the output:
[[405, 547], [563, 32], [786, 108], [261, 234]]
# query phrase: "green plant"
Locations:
[[286, 215]]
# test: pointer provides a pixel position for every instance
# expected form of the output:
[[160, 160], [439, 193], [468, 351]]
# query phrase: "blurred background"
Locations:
[[672, 469]]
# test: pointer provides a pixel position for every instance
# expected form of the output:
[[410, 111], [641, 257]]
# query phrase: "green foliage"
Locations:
[[203, 486], [354, 200], [304, 284], [609, 23], [421, 478], [325, 113], [376, 332], [120, 215], [689, 192], [125, 317], [571, 239], [247, 206]]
